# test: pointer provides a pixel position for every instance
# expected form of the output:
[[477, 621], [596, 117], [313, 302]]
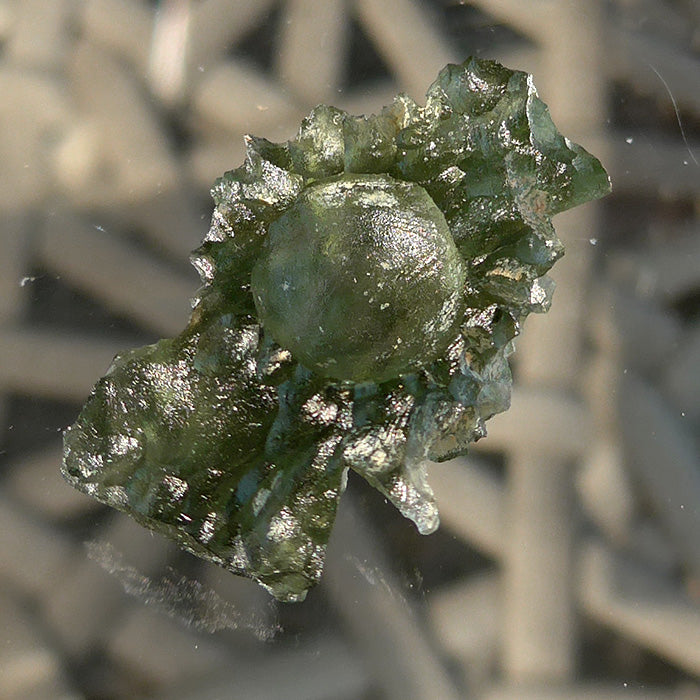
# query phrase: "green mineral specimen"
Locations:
[[362, 286]]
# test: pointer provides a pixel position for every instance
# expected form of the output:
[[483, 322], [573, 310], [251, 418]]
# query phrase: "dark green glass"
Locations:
[[362, 286]]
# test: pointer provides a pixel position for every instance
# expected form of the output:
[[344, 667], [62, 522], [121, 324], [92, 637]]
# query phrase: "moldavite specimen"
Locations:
[[362, 285]]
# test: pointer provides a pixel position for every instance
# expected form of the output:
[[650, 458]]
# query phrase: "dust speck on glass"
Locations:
[[362, 286]]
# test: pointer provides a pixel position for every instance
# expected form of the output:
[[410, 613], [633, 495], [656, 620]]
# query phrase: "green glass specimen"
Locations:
[[362, 286]]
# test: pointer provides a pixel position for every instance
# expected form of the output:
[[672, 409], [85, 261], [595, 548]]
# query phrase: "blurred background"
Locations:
[[568, 560]]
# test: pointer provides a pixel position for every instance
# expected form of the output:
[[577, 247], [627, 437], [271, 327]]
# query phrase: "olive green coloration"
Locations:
[[360, 278], [362, 286]]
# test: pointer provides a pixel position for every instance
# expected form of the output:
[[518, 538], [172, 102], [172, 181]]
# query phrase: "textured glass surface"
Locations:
[[362, 285]]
